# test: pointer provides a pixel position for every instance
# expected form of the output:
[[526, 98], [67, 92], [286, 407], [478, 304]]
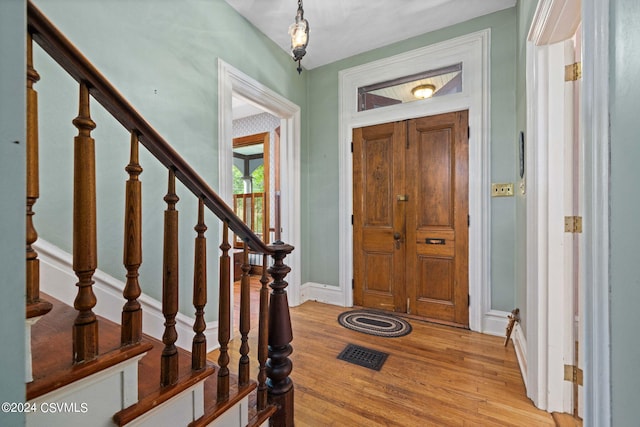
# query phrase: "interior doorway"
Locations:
[[411, 207]]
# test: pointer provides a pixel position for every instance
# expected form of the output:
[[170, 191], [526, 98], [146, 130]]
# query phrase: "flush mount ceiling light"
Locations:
[[299, 32], [423, 91]]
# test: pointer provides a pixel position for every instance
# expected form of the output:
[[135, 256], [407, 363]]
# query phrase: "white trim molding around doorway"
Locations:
[[472, 51], [233, 82], [543, 377]]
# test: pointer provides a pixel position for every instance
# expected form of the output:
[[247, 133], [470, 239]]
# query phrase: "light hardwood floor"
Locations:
[[435, 376]]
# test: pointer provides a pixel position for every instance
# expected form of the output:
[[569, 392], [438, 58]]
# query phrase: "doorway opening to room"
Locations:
[[256, 178]]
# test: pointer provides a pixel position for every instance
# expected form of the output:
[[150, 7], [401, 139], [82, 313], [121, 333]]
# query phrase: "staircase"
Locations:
[[84, 369]]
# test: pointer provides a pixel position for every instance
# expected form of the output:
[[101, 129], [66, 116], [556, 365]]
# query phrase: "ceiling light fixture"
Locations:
[[299, 32], [423, 91]]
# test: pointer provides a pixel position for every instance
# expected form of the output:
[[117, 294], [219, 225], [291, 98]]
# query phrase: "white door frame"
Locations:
[[544, 341], [595, 112], [473, 51], [233, 82]]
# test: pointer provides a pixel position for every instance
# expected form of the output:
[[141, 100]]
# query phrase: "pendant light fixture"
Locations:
[[299, 32]]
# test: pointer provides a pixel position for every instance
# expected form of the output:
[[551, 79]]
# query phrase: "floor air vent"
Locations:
[[362, 356]]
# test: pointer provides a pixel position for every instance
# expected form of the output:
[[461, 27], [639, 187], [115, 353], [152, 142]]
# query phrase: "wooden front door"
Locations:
[[411, 217]]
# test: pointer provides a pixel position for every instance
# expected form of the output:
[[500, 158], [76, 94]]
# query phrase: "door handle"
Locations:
[[398, 239]]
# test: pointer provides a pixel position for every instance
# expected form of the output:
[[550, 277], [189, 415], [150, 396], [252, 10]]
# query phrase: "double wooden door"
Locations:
[[410, 207]]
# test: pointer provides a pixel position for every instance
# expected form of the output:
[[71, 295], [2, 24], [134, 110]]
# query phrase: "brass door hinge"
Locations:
[[573, 224], [573, 374], [573, 72]]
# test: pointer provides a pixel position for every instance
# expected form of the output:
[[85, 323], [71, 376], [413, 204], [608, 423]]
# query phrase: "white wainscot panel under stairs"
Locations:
[[90, 401]]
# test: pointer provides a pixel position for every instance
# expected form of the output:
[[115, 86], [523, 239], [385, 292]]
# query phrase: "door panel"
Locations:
[[410, 217], [377, 178], [437, 218]]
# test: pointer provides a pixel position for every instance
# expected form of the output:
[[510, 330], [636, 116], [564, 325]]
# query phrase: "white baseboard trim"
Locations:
[[311, 291], [520, 345], [494, 322], [58, 279]]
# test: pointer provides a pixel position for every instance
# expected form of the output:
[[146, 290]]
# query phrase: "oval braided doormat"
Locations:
[[376, 323]]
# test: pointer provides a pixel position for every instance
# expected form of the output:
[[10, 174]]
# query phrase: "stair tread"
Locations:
[[53, 367], [257, 418], [212, 408], [150, 393], [52, 350]]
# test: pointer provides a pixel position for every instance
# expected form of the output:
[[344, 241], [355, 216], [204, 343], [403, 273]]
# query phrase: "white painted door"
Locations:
[[572, 204]]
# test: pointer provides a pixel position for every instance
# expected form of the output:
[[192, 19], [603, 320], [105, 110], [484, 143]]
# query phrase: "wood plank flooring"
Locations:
[[435, 376]]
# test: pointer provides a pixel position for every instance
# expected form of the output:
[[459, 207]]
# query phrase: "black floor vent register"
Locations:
[[363, 356]]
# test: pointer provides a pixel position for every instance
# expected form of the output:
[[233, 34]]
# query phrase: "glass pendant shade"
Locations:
[[299, 37], [299, 33]]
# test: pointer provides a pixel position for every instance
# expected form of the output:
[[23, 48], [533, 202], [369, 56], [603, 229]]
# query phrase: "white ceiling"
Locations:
[[342, 28]]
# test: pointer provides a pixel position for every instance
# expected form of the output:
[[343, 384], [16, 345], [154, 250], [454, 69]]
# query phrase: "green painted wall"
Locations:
[[12, 194], [624, 205], [162, 56], [320, 233], [525, 10]]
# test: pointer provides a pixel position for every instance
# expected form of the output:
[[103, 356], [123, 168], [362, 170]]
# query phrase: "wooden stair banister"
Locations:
[[132, 257], [263, 337], [85, 256], [245, 318], [280, 386], [224, 316], [35, 306], [199, 346], [170, 286], [275, 387]]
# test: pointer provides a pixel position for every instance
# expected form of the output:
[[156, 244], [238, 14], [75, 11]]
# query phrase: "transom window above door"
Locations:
[[439, 82]]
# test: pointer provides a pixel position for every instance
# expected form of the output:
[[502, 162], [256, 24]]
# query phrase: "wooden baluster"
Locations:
[[169, 360], [245, 318], [280, 386], [224, 316], [131, 330], [35, 306], [199, 346], [263, 336], [85, 257]]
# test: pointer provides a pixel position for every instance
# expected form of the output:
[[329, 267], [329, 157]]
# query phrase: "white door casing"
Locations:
[[233, 82], [547, 303], [472, 51]]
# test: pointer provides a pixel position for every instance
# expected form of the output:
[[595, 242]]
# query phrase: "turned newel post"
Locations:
[[199, 346], [35, 306], [279, 366], [131, 331], [169, 360], [85, 257]]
